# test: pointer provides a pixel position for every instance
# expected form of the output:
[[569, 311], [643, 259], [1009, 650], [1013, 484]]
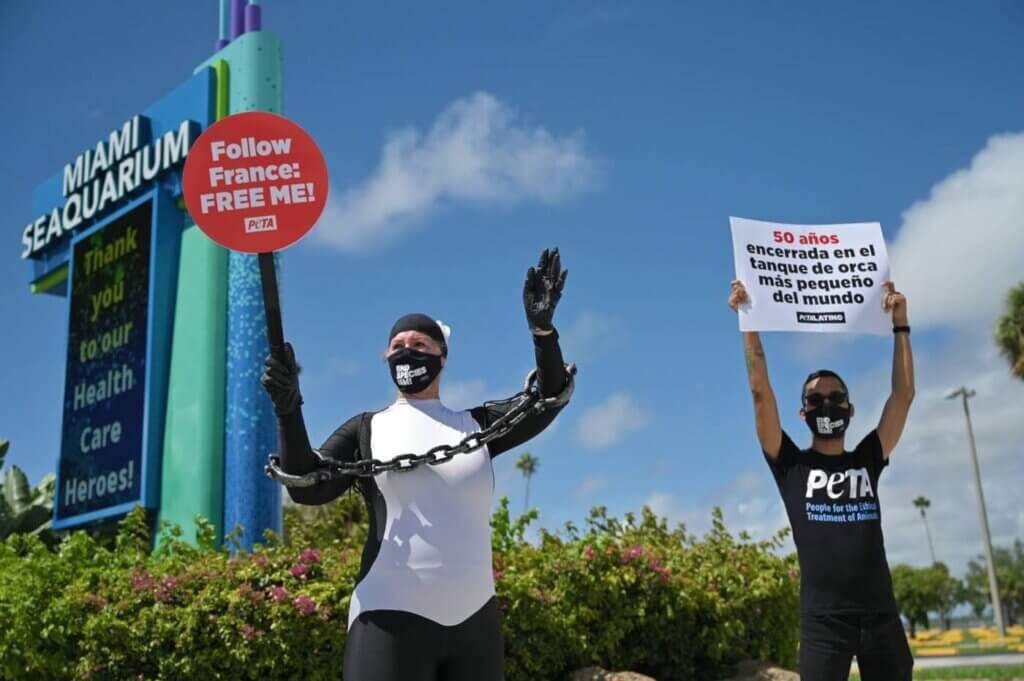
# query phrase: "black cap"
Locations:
[[418, 321]]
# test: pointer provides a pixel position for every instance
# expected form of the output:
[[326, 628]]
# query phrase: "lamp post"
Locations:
[[993, 586]]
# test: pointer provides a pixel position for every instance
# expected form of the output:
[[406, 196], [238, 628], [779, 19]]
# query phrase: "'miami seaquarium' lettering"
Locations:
[[101, 177]]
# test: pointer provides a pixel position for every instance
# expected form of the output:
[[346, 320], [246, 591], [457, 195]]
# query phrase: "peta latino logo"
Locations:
[[855, 481], [404, 374], [263, 223], [826, 426]]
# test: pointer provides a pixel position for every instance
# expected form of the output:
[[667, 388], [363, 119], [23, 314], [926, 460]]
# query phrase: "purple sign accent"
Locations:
[[253, 19], [220, 44], [237, 18]]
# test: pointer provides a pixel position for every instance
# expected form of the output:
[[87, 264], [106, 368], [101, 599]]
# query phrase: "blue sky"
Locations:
[[462, 140]]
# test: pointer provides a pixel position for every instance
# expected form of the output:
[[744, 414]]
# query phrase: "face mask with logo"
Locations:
[[828, 420], [413, 370]]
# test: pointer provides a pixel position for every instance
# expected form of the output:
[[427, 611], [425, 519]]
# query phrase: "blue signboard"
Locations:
[[122, 274], [104, 391]]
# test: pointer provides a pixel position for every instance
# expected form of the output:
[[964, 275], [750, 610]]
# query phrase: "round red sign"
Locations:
[[255, 182]]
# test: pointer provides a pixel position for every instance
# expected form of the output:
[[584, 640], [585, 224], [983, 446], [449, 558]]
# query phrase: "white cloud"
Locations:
[[604, 425], [960, 250], [463, 394], [933, 457], [590, 335], [573, 22], [479, 151], [589, 486], [333, 371], [749, 503]]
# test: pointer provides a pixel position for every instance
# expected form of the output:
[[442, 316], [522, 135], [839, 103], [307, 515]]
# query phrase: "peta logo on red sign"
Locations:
[[265, 223], [250, 163]]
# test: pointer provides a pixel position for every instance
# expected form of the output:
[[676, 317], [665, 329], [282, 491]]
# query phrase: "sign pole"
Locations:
[[272, 305]]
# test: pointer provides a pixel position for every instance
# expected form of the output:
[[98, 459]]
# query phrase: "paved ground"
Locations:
[[965, 661]]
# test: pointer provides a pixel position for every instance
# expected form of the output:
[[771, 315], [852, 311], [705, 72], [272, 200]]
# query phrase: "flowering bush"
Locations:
[[636, 595], [623, 594]]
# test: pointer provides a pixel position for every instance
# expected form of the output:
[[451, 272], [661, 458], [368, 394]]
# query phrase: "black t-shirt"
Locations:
[[833, 507]]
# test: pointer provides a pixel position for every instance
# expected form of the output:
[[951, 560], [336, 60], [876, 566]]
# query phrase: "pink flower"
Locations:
[[260, 560], [305, 605], [309, 556], [246, 591], [633, 552], [250, 632], [498, 574], [142, 581], [588, 552], [170, 583], [299, 571], [278, 594]]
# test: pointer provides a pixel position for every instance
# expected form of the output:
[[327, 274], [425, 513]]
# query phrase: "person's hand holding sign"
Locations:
[[281, 381], [739, 296], [895, 303]]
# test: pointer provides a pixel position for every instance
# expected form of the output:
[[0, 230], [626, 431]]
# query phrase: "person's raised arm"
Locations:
[[542, 290], [281, 380], [897, 407], [766, 410]]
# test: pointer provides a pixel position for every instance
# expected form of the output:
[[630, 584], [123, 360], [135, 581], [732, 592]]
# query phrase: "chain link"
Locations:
[[528, 401]]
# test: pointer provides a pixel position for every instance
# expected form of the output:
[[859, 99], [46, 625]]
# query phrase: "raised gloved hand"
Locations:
[[281, 380], [543, 289]]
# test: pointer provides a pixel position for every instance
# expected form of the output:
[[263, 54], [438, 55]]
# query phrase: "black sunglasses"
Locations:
[[818, 399]]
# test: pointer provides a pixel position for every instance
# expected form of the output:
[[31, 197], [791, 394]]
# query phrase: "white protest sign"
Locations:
[[818, 278]]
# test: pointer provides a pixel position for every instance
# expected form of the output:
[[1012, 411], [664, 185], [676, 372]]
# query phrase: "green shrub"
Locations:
[[629, 594]]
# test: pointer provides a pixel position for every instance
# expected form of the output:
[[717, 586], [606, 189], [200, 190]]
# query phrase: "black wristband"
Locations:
[[901, 329]]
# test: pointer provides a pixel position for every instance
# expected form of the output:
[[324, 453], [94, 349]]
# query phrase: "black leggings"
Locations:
[[829, 642], [390, 645]]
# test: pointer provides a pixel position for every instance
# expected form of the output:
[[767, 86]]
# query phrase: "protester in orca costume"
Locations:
[[424, 606], [847, 607]]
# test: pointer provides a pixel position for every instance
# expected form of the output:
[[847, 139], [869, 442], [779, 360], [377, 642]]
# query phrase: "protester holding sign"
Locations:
[[424, 606], [847, 606]]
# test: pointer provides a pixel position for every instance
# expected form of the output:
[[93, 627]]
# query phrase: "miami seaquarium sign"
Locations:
[[107, 234]]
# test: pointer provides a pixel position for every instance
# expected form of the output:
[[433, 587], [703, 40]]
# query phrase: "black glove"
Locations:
[[281, 380], [543, 289]]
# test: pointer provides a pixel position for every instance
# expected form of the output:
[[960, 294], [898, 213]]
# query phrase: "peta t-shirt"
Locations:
[[833, 508]]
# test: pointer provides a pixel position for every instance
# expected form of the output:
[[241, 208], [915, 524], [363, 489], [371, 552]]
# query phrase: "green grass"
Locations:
[[995, 672]]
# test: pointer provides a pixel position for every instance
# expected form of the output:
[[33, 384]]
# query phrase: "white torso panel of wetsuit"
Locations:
[[435, 554]]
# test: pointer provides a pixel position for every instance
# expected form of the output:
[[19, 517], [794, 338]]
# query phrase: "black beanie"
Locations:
[[417, 321]]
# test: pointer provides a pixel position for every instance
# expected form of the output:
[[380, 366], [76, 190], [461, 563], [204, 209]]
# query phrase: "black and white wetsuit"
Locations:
[[423, 605]]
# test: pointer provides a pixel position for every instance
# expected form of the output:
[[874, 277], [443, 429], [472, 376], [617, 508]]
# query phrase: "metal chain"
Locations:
[[526, 402]]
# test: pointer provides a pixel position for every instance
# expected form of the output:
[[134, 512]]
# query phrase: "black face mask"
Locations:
[[828, 421], [413, 370]]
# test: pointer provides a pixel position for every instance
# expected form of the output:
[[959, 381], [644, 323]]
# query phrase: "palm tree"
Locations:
[[528, 464], [1010, 331], [923, 503]]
